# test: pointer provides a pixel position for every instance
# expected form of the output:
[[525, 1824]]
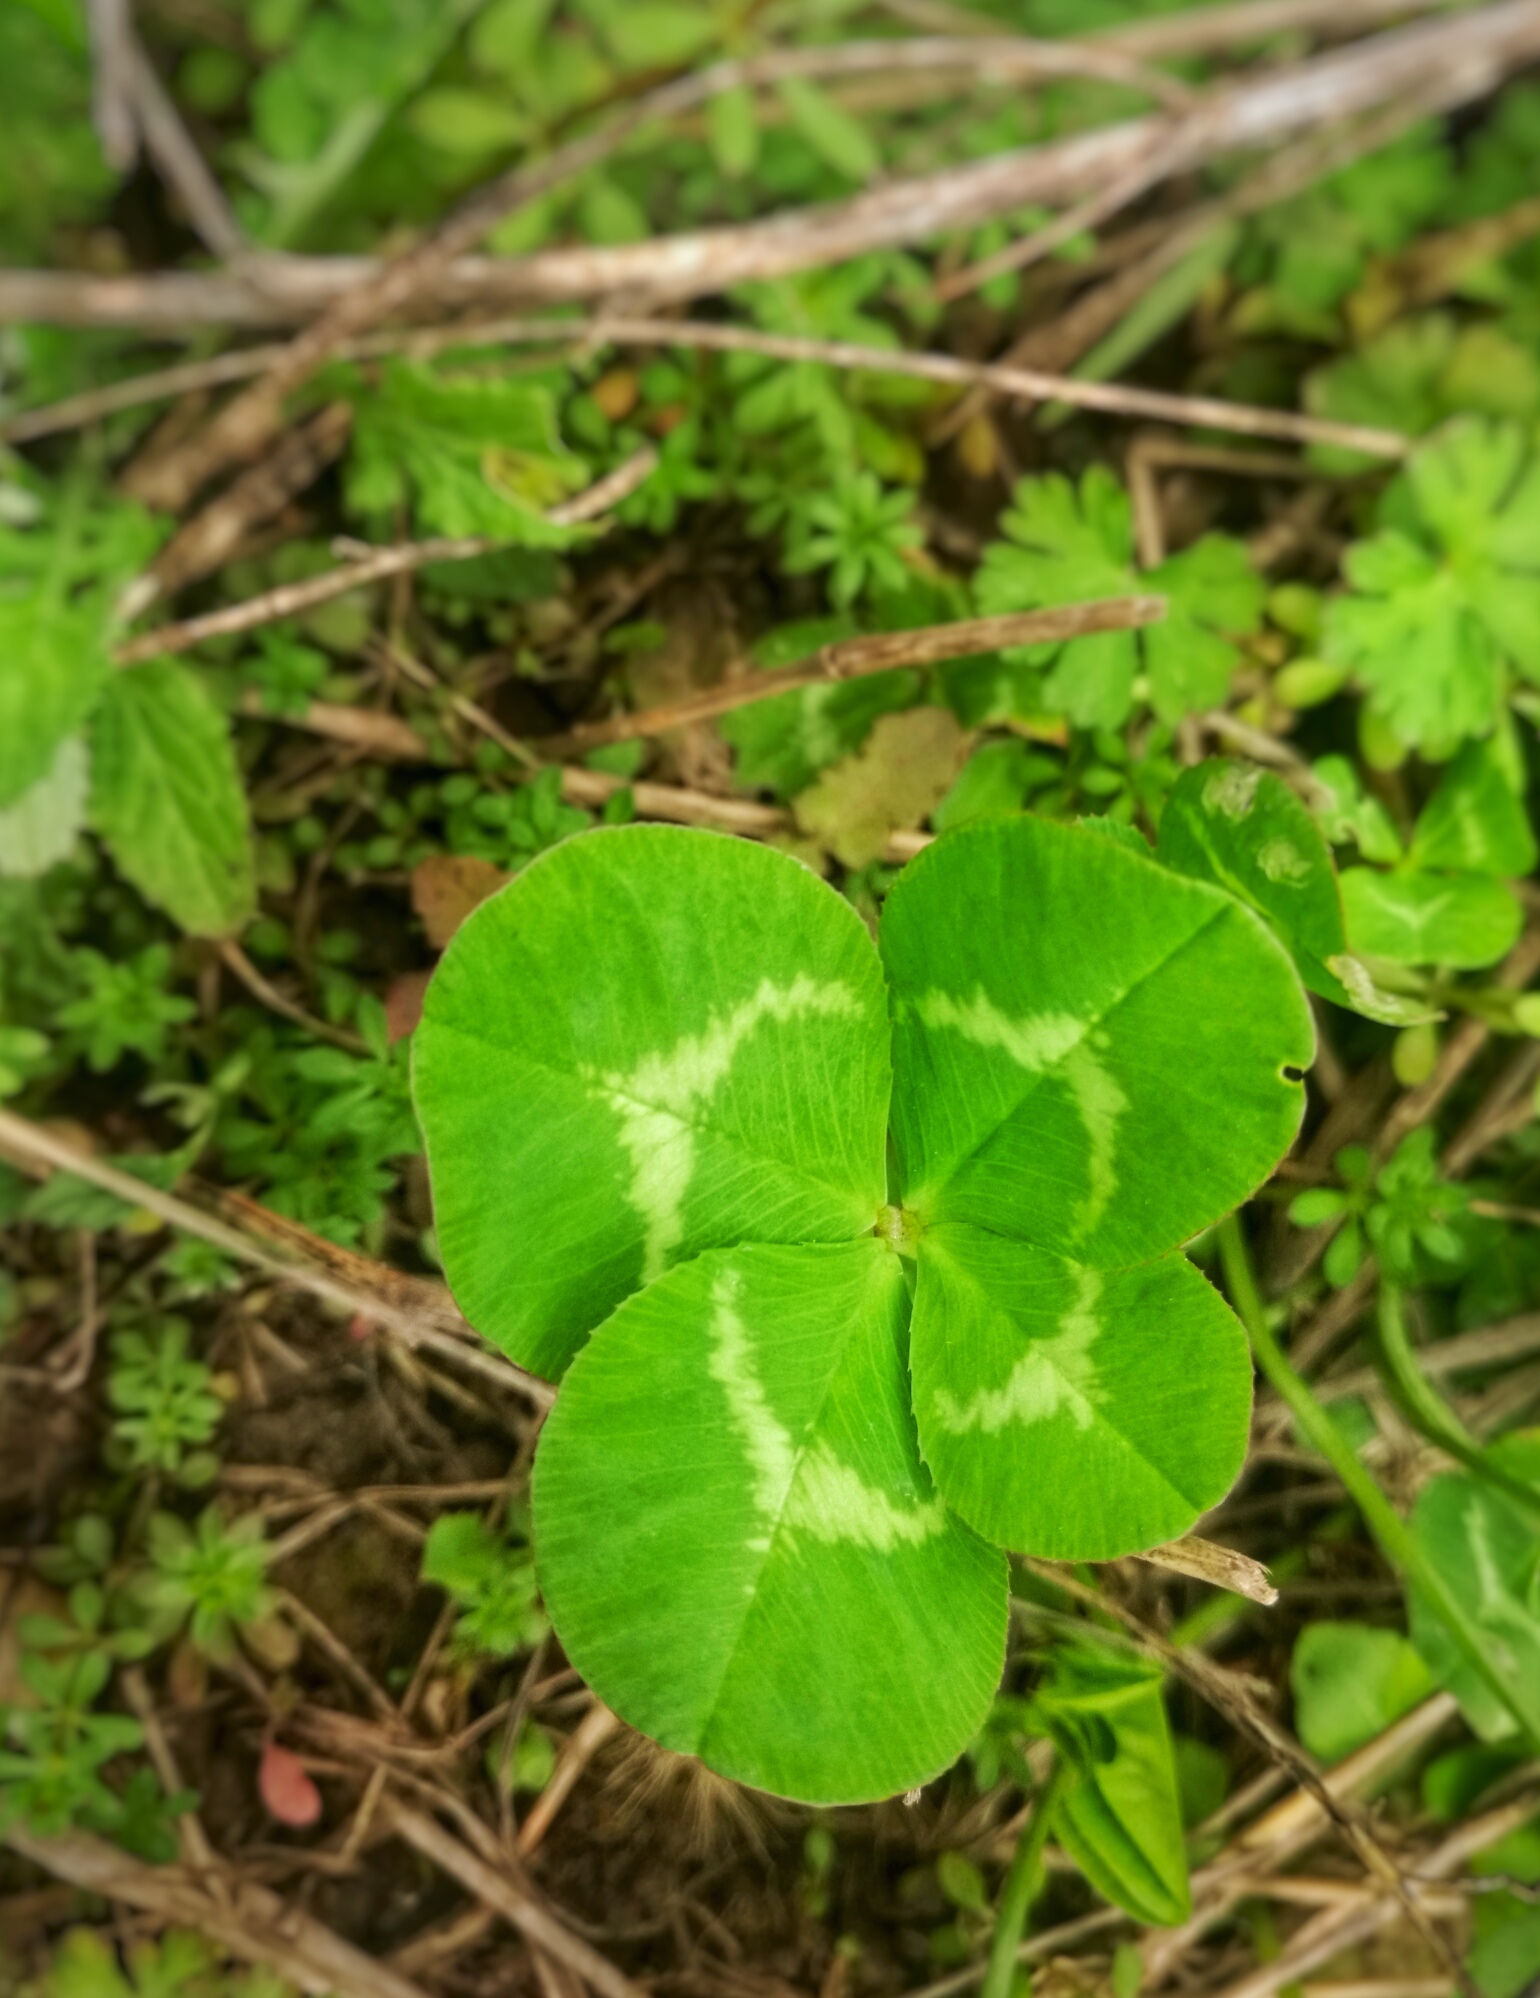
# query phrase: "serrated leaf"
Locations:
[[44, 822], [1445, 599], [905, 769], [53, 665], [1093, 1079], [779, 1590], [1413, 376], [1066, 545], [167, 797], [1120, 1819], [477, 454], [1243, 829], [694, 1031], [1464, 921]]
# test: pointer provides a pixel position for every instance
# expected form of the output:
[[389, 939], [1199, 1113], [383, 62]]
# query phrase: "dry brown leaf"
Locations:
[[446, 887], [902, 773], [403, 1003]]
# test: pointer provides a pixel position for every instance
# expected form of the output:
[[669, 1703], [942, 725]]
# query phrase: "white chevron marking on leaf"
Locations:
[[1037, 1043], [1053, 1374], [657, 1102], [811, 1492]]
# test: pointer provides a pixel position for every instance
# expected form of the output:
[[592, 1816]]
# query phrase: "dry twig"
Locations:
[[872, 652], [496, 1889], [255, 1926], [31, 1144]]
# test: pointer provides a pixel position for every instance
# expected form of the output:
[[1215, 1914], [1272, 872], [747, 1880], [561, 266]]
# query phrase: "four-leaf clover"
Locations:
[[854, 1263]]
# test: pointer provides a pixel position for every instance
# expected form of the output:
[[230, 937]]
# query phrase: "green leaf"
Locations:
[[167, 797], [1094, 1084], [1475, 822], [1120, 1818], [776, 1589], [1243, 829], [1506, 1961], [1350, 1682], [1445, 599], [467, 121], [44, 822], [1053, 1416], [654, 1075], [904, 770], [653, 1042], [782, 743], [1413, 376], [1090, 1050], [993, 783], [839, 140], [1065, 546], [1465, 921], [732, 127], [480, 454], [1482, 1546], [53, 665]]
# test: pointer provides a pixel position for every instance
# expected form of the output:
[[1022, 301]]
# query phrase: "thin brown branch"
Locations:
[[257, 1928], [1224, 30], [209, 541], [26, 1142], [497, 1890], [263, 990], [873, 652], [183, 168], [1337, 1929], [1487, 1346], [998, 378], [113, 111], [595, 1728], [1142, 255], [1452, 61], [241, 430], [289, 599], [1165, 156]]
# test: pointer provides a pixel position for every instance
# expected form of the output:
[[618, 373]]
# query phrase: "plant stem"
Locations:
[[1395, 1539], [1427, 1410], [1023, 1882]]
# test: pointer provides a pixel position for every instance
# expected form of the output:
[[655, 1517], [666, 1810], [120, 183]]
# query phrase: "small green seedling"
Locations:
[[490, 1577], [859, 1266]]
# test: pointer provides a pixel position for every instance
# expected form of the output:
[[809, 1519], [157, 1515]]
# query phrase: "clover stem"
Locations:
[[1023, 1883], [1395, 1538], [1426, 1409]]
